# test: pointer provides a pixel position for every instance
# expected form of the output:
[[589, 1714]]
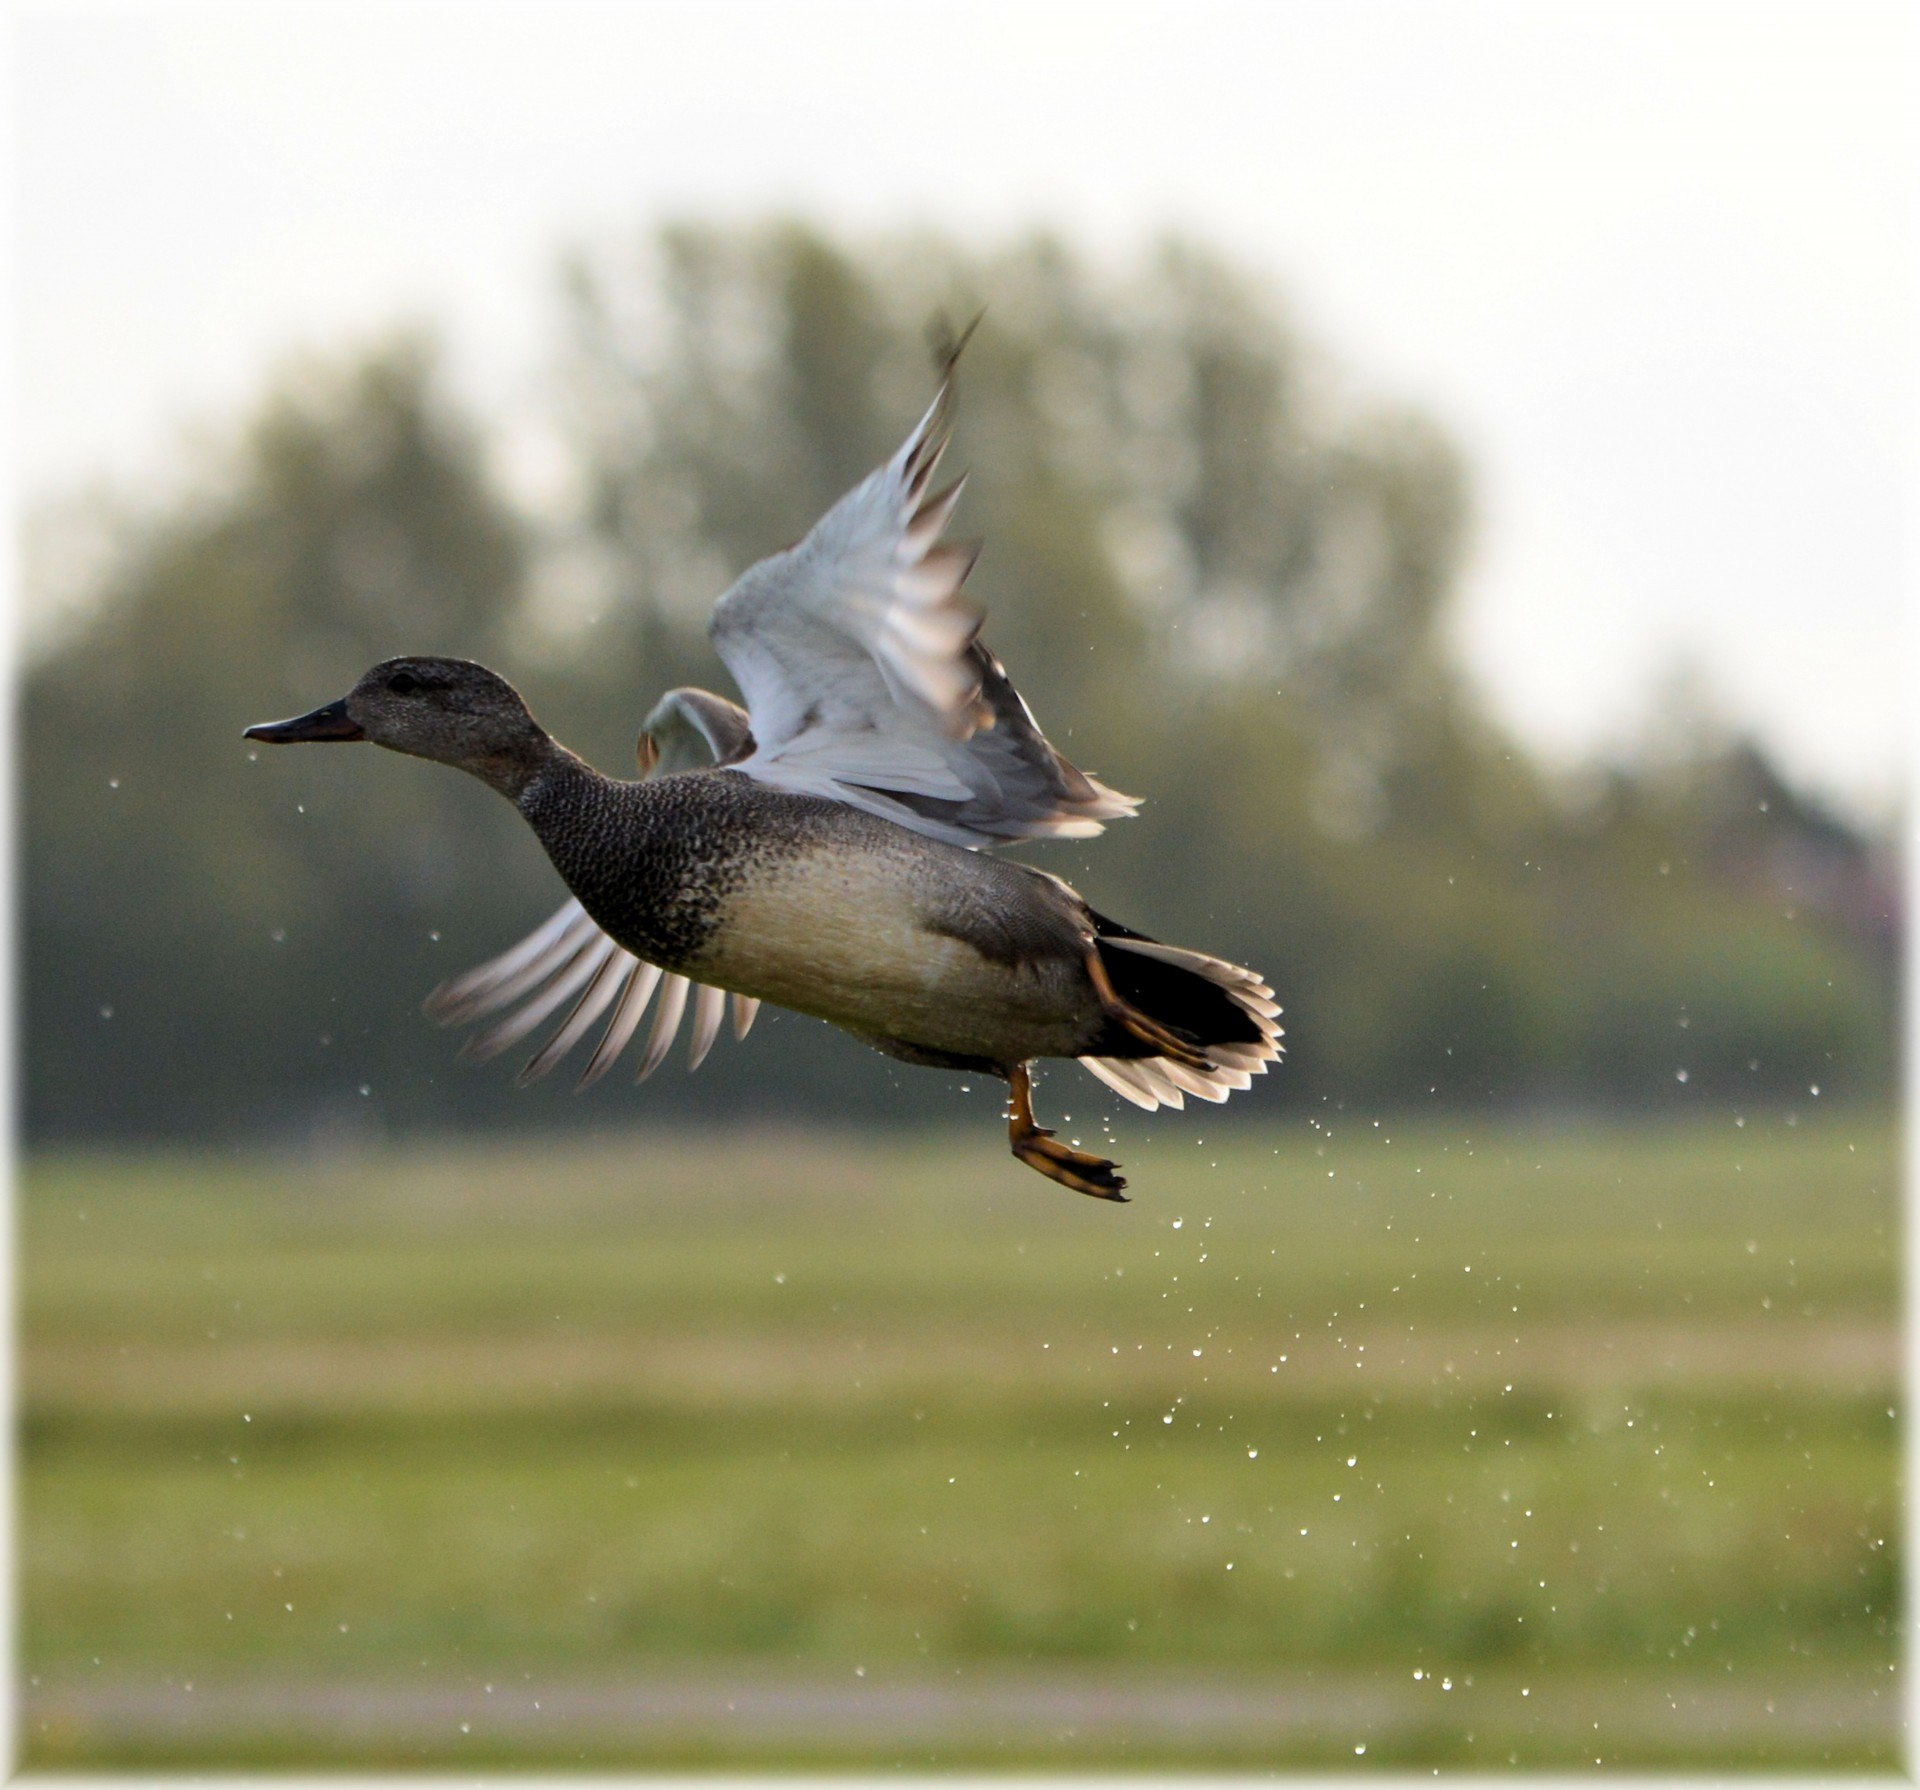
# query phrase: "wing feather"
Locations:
[[858, 652], [509, 1031], [501, 980], [625, 1022], [615, 971], [745, 1010], [690, 730], [709, 1008], [666, 1023]]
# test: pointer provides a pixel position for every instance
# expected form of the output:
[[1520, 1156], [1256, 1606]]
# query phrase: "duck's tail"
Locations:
[[1226, 1012]]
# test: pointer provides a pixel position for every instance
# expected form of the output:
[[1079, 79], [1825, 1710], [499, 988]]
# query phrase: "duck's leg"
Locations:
[[1037, 1147], [1166, 1042]]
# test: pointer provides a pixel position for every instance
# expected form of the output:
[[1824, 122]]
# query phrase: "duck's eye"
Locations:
[[403, 683]]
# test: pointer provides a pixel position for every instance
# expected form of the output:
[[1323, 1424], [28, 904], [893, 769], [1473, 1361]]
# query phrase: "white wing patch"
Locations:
[[857, 651]]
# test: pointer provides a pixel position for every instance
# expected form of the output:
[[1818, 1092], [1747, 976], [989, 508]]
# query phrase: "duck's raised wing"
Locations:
[[569, 956], [858, 653]]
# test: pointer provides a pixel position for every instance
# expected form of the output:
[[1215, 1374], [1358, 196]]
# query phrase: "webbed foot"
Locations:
[[1039, 1149]]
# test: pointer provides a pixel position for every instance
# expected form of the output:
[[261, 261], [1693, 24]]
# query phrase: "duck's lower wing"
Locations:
[[570, 959]]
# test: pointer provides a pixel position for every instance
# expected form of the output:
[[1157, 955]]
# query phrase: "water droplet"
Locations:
[[366, 1088], [113, 782], [106, 1011], [1679, 1075]]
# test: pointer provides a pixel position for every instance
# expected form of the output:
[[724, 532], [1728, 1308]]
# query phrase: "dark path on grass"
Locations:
[[1689, 1717]]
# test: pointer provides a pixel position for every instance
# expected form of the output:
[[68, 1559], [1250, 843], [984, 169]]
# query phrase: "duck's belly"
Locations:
[[854, 938]]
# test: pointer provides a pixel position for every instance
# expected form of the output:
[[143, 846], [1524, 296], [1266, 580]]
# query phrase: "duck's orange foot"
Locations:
[[1095, 1175], [1038, 1149]]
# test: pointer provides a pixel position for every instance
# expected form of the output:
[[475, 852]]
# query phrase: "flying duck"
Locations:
[[826, 847]]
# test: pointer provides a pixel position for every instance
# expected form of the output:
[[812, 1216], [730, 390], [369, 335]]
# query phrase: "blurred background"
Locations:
[[1447, 459]]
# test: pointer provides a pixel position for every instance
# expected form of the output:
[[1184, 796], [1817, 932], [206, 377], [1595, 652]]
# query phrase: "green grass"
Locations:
[[1527, 1409]]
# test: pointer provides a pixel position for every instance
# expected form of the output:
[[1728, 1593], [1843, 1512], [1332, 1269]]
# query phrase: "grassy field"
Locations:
[[1363, 1444]]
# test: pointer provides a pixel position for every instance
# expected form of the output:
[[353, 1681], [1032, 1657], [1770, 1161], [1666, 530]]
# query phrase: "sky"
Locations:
[[1651, 266]]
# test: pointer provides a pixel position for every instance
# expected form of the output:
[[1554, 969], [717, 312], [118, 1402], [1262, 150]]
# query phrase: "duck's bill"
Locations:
[[329, 723]]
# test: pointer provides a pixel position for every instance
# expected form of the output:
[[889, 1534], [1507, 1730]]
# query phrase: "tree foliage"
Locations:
[[1218, 573]]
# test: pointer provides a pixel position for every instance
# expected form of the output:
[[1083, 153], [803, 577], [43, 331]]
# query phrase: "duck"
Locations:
[[828, 847]]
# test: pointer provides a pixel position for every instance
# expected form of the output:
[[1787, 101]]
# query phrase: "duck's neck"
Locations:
[[585, 820], [557, 783], [521, 764]]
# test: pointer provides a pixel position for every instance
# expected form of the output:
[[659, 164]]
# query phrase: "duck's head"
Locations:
[[449, 710]]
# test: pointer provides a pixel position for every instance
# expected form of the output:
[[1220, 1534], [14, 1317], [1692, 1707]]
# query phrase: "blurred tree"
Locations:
[[1218, 574], [201, 936]]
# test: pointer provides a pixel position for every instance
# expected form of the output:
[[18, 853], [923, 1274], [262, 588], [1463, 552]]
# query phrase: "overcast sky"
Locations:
[[1652, 266]]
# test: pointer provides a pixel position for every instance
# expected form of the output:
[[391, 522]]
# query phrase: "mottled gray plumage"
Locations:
[[652, 863]]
